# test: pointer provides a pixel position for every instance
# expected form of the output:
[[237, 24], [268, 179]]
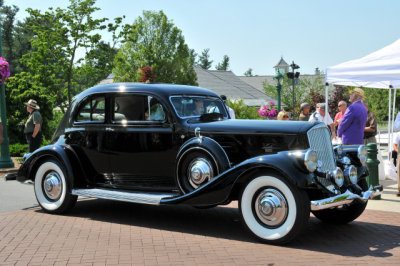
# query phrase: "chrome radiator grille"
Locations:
[[320, 141]]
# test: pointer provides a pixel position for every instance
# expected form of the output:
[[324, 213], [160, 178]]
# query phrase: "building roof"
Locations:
[[227, 83], [258, 81], [281, 64]]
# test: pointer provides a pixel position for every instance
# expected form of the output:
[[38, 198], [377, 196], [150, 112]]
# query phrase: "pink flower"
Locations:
[[267, 111], [4, 69]]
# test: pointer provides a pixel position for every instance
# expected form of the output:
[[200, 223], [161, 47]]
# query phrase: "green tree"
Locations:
[[303, 90], [97, 65], [378, 102], [224, 64], [153, 40], [50, 66], [193, 56], [7, 15], [81, 28], [249, 72], [204, 59]]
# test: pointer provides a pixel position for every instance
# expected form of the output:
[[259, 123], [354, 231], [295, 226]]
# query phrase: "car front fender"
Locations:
[[210, 146], [221, 188]]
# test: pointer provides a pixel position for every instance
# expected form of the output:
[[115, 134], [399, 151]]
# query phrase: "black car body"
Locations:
[[173, 144]]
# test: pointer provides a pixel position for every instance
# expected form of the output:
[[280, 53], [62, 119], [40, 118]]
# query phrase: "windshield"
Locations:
[[187, 106]]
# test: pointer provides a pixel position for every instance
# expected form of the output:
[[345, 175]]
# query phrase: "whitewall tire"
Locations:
[[52, 189], [274, 210]]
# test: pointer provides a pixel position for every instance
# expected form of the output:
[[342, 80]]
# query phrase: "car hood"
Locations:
[[242, 126]]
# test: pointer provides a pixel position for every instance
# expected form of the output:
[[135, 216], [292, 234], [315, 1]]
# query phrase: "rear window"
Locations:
[[137, 108], [92, 110]]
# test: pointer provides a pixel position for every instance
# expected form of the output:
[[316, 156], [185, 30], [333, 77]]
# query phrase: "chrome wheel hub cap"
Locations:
[[199, 172], [52, 185], [271, 207]]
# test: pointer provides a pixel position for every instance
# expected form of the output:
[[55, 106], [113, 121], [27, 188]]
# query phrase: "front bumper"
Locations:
[[345, 198]]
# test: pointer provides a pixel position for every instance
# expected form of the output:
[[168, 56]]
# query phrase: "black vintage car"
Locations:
[[171, 144]]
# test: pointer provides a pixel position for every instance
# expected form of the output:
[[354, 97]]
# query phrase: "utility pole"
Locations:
[[293, 76], [5, 159]]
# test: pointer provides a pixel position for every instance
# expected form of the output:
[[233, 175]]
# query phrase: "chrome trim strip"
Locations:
[[153, 199], [342, 199]]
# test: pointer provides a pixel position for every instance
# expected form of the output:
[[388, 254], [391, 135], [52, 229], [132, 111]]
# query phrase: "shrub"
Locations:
[[18, 149], [242, 111]]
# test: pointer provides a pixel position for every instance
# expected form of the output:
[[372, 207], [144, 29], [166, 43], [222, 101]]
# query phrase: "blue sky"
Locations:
[[255, 34]]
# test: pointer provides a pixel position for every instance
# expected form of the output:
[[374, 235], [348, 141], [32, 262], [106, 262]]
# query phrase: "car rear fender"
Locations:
[[60, 153], [225, 186]]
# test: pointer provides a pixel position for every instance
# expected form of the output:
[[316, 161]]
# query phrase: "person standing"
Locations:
[[230, 110], [33, 126], [283, 115], [304, 112], [396, 143], [351, 128], [342, 106], [370, 127], [321, 116]]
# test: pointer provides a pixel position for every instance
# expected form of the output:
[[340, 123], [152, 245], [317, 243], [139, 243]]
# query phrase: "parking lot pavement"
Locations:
[[99, 232]]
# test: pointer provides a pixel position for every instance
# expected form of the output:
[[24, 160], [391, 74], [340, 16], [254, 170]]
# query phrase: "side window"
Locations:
[[92, 110], [133, 107], [154, 110]]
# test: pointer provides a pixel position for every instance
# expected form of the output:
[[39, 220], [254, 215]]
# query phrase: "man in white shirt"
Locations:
[[396, 143], [321, 116]]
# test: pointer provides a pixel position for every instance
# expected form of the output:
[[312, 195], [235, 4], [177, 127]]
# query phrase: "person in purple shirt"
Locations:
[[351, 128]]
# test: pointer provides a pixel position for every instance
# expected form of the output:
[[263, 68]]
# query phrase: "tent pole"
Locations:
[[389, 121], [326, 100], [393, 117]]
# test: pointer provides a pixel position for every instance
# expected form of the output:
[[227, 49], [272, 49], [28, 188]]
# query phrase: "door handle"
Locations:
[[109, 129]]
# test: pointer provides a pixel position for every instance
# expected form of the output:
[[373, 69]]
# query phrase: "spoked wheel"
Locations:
[[195, 170], [52, 190], [274, 210]]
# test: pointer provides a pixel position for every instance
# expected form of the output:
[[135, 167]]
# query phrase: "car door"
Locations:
[[141, 143], [87, 138]]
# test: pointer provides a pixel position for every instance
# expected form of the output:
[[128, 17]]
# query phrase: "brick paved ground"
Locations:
[[99, 232]]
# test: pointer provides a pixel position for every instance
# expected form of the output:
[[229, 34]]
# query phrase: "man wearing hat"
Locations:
[[304, 112], [351, 128], [33, 125]]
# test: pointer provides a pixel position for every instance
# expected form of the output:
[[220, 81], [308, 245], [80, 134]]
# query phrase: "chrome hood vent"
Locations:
[[320, 141]]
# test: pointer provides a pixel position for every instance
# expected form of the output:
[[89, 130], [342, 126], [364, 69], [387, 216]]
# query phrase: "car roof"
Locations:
[[163, 90]]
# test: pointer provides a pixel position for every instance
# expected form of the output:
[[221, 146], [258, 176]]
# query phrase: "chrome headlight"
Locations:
[[338, 176], [362, 154], [311, 160], [351, 173], [345, 160]]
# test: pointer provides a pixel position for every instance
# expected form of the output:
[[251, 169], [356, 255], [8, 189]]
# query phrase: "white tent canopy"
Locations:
[[381, 69]]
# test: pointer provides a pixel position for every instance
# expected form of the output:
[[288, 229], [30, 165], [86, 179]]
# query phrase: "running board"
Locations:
[[143, 198]]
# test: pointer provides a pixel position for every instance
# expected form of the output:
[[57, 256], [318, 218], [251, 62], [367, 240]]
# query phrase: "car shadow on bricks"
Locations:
[[357, 239]]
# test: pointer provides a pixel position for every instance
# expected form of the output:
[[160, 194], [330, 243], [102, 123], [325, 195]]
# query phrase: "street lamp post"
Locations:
[[293, 76], [5, 159], [278, 76]]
